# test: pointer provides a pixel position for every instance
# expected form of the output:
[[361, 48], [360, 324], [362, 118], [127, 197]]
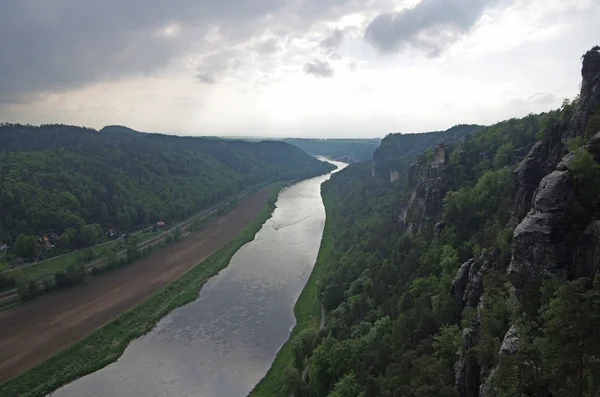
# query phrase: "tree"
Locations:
[[572, 320], [63, 241], [28, 290], [348, 386], [25, 246], [90, 235]]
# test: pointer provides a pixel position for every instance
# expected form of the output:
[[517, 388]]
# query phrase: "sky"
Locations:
[[306, 68]]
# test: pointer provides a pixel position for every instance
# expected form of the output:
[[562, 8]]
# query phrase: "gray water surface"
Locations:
[[222, 344]]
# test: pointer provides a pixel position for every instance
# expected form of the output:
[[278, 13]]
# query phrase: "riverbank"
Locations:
[[106, 344], [308, 314]]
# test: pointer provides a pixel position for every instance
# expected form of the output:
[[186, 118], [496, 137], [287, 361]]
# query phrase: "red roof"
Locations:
[[160, 223]]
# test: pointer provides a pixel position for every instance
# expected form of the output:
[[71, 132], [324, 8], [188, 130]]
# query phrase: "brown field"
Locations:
[[32, 332]]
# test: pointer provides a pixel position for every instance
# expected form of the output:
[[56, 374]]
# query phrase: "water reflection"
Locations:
[[223, 343]]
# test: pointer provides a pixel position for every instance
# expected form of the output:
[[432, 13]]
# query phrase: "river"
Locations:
[[222, 344]]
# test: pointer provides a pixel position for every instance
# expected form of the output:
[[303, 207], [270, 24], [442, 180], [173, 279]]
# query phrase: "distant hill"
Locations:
[[58, 178], [398, 151], [118, 129], [349, 150]]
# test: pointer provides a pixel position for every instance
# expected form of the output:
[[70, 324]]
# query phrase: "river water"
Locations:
[[222, 344]]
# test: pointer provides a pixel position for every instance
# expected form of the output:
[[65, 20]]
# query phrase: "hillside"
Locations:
[[348, 150], [477, 276], [58, 178], [398, 151]]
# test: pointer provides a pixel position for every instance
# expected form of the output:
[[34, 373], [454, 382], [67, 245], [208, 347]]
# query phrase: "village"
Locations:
[[29, 250]]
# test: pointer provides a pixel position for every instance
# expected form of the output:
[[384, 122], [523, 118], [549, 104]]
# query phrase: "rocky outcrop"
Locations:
[[545, 242], [540, 242], [526, 178], [546, 154], [466, 369], [587, 251], [509, 347], [428, 188], [510, 344], [589, 96], [460, 282], [467, 286]]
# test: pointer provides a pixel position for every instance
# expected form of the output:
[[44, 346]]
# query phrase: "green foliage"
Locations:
[[63, 241], [348, 386], [58, 179], [393, 328], [587, 180], [593, 125], [398, 151], [90, 235], [74, 274], [447, 342], [575, 143], [28, 290], [571, 323], [25, 246]]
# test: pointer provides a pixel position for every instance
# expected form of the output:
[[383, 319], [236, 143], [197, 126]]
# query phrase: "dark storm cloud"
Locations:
[[61, 44], [431, 25], [318, 68]]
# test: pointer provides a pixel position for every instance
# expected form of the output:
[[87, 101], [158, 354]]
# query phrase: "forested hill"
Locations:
[[349, 150], [398, 151], [57, 178], [479, 277]]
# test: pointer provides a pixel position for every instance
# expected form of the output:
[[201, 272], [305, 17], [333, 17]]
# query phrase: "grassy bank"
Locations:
[[106, 344], [308, 315]]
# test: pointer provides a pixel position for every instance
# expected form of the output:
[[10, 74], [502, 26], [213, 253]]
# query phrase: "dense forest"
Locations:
[[349, 150], [474, 277], [59, 180]]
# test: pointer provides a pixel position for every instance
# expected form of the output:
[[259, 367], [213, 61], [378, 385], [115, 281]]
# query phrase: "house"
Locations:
[[161, 225], [3, 247], [45, 243], [111, 233]]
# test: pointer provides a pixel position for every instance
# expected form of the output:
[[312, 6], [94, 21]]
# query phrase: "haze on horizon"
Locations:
[[306, 68]]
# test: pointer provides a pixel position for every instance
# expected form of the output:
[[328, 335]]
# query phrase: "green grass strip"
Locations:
[[308, 315], [107, 344]]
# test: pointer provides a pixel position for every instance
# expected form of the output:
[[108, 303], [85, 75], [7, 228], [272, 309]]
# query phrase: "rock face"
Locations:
[[509, 347], [467, 286], [546, 154], [428, 188], [460, 282], [587, 251], [466, 370], [526, 178], [589, 97], [545, 243], [540, 242], [510, 344]]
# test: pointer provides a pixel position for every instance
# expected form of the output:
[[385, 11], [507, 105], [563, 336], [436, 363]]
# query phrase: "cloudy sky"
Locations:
[[328, 68]]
